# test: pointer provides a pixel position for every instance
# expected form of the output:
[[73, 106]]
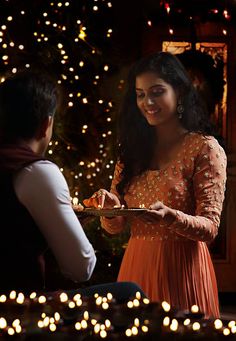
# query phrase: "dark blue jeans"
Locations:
[[121, 291]]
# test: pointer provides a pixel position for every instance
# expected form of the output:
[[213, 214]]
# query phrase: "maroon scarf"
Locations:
[[14, 157]]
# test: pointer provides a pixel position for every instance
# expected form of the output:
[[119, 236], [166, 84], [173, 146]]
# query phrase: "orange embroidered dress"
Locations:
[[172, 263]]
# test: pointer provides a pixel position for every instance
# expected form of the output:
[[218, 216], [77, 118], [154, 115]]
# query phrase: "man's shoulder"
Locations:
[[42, 166], [39, 172], [41, 179]]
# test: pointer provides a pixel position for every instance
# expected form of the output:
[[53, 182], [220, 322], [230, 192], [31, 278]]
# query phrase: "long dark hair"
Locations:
[[136, 138]]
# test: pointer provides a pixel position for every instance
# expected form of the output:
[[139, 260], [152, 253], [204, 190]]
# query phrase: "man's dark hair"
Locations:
[[26, 99]]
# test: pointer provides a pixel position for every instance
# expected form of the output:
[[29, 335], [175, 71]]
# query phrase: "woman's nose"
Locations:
[[149, 100]]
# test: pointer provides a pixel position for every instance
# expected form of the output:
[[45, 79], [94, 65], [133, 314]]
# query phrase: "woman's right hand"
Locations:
[[102, 199]]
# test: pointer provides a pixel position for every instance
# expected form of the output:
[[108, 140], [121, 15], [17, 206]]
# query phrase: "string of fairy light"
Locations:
[[51, 30], [7, 43], [221, 13], [71, 75], [101, 317]]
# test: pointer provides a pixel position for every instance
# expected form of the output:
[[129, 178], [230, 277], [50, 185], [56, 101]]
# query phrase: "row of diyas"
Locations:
[[62, 313]]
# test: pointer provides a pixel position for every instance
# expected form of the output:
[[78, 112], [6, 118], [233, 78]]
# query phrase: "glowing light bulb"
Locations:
[[12, 295], [165, 306], [187, 322], [174, 325], [194, 309], [196, 326], [63, 297], [166, 321], [226, 331], [82, 35], [3, 323], [42, 299], [71, 305], [218, 324]]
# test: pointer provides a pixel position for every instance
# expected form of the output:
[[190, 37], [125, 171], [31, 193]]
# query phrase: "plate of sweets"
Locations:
[[110, 212]]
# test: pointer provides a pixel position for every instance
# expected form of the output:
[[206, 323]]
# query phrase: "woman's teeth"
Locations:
[[152, 112]]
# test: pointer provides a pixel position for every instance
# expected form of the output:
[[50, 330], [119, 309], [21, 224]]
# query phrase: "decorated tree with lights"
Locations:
[[71, 39]]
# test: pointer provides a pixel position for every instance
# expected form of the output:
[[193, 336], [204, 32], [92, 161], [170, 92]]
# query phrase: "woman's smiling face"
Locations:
[[156, 99]]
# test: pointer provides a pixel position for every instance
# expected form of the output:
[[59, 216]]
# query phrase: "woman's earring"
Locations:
[[180, 110]]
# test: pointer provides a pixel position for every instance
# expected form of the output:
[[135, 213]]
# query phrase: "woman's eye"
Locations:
[[157, 92], [139, 95]]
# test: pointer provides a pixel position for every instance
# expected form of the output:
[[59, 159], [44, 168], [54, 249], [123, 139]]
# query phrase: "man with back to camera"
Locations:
[[35, 199]]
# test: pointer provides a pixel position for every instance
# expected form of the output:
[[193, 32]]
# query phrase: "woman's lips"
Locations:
[[152, 112]]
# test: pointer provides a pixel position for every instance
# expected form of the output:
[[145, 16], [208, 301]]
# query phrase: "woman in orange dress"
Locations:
[[170, 163]]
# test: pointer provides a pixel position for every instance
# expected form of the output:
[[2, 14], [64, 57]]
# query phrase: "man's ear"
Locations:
[[42, 131]]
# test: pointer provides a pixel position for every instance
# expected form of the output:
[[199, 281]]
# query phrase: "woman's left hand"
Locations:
[[157, 212]]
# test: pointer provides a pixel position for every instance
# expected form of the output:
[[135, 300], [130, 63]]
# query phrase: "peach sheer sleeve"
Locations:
[[116, 224], [209, 187]]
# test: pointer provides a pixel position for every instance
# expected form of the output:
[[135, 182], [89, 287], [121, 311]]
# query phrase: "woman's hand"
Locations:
[[102, 199], [157, 212], [77, 207]]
